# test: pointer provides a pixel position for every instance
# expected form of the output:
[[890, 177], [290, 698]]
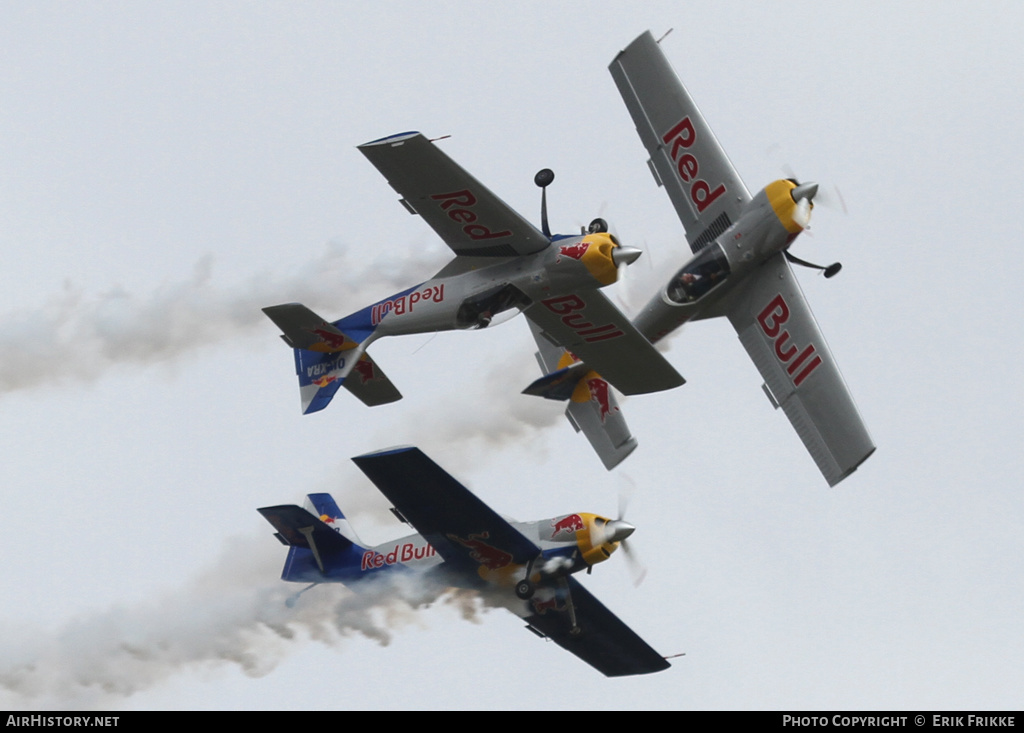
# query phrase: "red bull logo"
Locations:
[[487, 555], [681, 138], [364, 368], [799, 366], [332, 340], [575, 251], [600, 396], [570, 524], [569, 307], [458, 205], [542, 606], [324, 381]]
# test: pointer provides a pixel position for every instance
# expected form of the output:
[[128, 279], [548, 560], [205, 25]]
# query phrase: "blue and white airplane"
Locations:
[[461, 542]]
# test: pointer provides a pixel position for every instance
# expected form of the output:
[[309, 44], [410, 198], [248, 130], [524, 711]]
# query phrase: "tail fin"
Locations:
[[325, 506], [325, 355], [592, 406], [318, 548]]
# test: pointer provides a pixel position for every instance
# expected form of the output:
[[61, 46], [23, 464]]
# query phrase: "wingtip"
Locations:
[[391, 139]]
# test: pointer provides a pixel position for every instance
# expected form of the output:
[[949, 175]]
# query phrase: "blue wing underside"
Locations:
[[450, 517]]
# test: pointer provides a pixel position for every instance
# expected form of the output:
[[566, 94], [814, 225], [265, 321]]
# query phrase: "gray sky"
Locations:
[[165, 170]]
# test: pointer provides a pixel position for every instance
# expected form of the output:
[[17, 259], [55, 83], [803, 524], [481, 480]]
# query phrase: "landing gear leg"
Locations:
[[574, 628]]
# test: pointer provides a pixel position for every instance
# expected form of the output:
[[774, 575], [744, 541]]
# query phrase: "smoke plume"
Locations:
[[234, 614], [76, 336]]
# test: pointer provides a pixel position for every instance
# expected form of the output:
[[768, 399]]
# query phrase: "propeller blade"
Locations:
[[637, 569], [802, 214]]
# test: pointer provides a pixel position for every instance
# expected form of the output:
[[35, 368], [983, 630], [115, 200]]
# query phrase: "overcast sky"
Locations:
[[167, 169]]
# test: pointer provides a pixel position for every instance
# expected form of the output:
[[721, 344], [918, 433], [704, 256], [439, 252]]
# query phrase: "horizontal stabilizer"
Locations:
[[592, 409], [299, 528], [368, 382], [327, 357], [559, 385], [601, 420], [304, 329]]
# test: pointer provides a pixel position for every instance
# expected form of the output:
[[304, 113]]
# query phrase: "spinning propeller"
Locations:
[[618, 530], [803, 196]]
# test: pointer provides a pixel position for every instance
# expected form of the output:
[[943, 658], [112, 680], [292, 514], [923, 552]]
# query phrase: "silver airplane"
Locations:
[[740, 269], [502, 264]]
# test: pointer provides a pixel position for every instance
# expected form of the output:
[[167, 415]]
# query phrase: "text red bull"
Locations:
[[406, 552], [406, 303], [771, 319]]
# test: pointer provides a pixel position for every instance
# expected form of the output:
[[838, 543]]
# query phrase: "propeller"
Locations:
[[619, 530], [803, 195]]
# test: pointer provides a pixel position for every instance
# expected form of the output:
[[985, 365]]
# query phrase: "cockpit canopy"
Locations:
[[704, 272]]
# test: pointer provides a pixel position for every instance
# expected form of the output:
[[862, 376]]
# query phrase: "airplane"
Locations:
[[461, 542], [740, 269], [502, 264]]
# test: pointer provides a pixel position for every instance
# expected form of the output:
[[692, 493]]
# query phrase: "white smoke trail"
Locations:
[[80, 337], [234, 614]]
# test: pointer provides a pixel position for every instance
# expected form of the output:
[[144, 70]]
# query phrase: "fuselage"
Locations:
[[568, 544], [768, 224], [478, 289]]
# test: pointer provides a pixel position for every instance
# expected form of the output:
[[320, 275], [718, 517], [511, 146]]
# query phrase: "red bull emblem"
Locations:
[[771, 319], [324, 381], [682, 137], [364, 368], [575, 251], [487, 555], [600, 396], [333, 340], [568, 307], [570, 524], [543, 606], [458, 205]]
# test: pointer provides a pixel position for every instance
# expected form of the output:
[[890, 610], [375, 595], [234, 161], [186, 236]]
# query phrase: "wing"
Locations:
[[466, 532], [466, 215], [778, 330], [598, 333], [603, 641], [686, 158], [472, 538]]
